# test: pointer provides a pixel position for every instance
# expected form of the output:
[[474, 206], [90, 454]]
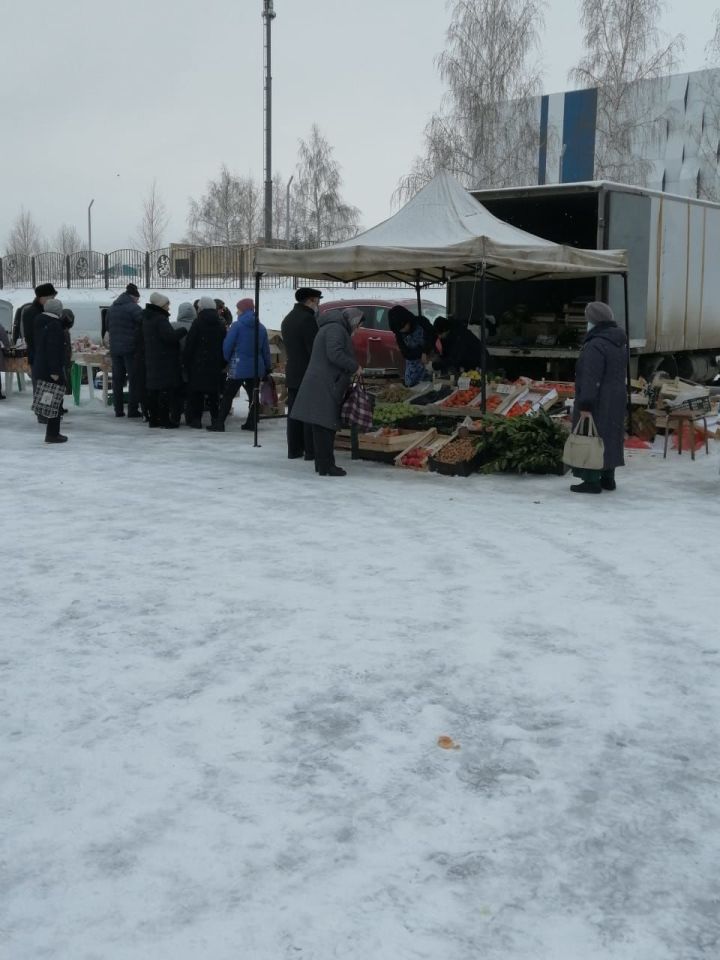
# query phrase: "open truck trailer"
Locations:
[[673, 246]]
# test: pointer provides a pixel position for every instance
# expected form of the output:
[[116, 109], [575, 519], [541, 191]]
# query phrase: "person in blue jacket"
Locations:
[[239, 351]]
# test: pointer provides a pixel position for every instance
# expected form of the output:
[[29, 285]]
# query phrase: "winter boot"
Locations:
[[586, 487], [217, 426]]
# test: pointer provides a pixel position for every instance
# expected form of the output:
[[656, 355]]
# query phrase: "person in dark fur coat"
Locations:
[[601, 392], [49, 357], [162, 361], [204, 363]]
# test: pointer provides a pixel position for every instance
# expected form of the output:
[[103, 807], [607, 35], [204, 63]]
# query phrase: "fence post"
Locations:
[[147, 269], [192, 269], [32, 272], [243, 254], [1, 274], [67, 269], [106, 269]]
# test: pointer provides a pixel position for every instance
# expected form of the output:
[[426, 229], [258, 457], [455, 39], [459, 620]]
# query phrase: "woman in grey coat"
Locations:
[[325, 383], [601, 392]]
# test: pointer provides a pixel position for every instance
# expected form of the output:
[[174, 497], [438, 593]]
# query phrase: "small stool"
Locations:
[[675, 420]]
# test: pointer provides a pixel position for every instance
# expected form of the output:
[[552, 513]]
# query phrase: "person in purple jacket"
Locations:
[[239, 351]]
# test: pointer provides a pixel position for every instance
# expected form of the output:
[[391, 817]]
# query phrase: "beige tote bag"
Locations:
[[584, 451]]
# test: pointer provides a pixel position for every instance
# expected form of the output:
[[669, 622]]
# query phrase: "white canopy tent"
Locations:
[[443, 233]]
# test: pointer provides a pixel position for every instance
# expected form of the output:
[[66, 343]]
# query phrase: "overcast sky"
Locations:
[[99, 98]]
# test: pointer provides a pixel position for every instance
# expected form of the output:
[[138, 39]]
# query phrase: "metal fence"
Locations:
[[179, 265]]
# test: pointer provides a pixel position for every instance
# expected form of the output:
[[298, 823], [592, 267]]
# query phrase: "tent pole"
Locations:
[[483, 338], [255, 402], [419, 294], [627, 334]]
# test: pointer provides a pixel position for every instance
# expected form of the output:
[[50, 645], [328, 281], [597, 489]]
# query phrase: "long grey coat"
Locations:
[[601, 387], [328, 376]]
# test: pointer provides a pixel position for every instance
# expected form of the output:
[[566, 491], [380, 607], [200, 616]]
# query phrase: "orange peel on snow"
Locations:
[[447, 743]]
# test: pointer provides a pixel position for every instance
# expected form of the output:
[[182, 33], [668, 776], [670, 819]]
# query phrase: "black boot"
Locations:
[[217, 426], [334, 471], [607, 480], [586, 487]]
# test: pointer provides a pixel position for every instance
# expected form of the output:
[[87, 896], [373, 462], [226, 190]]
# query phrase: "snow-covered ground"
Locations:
[[274, 303], [224, 678]]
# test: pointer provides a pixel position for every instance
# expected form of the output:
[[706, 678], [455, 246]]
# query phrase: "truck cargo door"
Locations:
[[629, 229]]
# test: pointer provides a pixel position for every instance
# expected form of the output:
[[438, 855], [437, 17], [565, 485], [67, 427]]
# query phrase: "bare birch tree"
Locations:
[[486, 132], [67, 240], [624, 48], [320, 213], [152, 227], [24, 239], [250, 208], [279, 188], [215, 217]]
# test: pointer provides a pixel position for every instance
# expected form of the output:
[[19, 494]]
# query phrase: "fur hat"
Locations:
[[206, 303], [45, 290], [132, 290], [307, 293], [245, 304], [159, 300], [53, 307], [598, 312], [399, 317]]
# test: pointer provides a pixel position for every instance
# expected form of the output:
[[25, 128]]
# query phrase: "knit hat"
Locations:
[[159, 300], [53, 307], [206, 303], [307, 293], [132, 290], [68, 318], [245, 304], [598, 312], [45, 290]]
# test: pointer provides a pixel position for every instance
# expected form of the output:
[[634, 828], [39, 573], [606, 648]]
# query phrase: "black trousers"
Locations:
[[324, 441], [196, 405], [160, 405], [231, 391], [123, 368], [299, 434]]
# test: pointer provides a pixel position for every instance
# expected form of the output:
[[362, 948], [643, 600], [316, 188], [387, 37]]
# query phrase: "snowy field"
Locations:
[[224, 678]]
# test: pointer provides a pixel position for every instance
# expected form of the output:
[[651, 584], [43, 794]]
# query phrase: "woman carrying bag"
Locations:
[[601, 397], [325, 383]]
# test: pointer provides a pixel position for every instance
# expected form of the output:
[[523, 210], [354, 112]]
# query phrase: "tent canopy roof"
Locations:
[[441, 234]]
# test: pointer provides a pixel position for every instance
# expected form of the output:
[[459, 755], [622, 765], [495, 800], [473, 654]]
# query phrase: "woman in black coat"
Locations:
[[163, 369], [204, 362], [49, 358], [601, 392]]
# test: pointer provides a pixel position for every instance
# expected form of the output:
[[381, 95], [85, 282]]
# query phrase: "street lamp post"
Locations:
[[287, 210], [268, 16], [90, 231]]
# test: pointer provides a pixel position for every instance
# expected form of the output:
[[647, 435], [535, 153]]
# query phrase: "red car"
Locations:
[[374, 342]]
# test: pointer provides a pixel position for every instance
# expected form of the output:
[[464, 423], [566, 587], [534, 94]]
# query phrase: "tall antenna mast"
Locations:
[[268, 16]]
